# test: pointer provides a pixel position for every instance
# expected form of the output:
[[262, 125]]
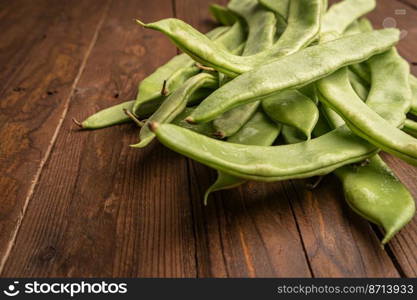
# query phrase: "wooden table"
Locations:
[[77, 204]]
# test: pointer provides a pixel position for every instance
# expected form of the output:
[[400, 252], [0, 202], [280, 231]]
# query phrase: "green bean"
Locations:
[[293, 71], [316, 157], [280, 7], [223, 15], [376, 194], [372, 190], [115, 115], [291, 135], [301, 30], [231, 121], [359, 85], [341, 15], [292, 108], [410, 127], [259, 130], [390, 94], [262, 26], [202, 128], [363, 71], [181, 67], [175, 104], [364, 121]]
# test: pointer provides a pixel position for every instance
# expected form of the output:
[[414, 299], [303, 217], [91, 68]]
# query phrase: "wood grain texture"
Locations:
[[130, 218], [35, 96], [102, 209]]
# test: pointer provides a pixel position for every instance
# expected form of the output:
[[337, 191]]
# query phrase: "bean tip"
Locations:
[[190, 120], [153, 126], [78, 123], [140, 22]]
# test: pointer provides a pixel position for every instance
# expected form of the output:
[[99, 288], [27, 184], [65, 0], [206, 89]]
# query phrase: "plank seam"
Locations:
[[197, 263], [389, 251], [299, 231], [44, 160]]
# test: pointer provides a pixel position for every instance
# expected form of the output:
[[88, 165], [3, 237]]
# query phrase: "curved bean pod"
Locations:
[[293, 109], [231, 121], [175, 104], [280, 7], [259, 130], [410, 127], [390, 94], [291, 135], [262, 27], [376, 194], [182, 67], [222, 15], [261, 23], [115, 115], [359, 85], [293, 71], [202, 128], [341, 15], [306, 25], [316, 157], [364, 121]]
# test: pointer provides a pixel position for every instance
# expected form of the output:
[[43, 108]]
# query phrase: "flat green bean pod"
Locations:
[[292, 108], [223, 15], [359, 85], [182, 67], [410, 127], [293, 71], [175, 104], [280, 7], [341, 15], [302, 30], [376, 194], [262, 26], [313, 158], [291, 135], [202, 128], [115, 115], [261, 23], [390, 94], [364, 121], [259, 130], [372, 190], [231, 121]]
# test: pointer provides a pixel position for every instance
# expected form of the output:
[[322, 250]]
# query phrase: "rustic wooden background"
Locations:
[[77, 204]]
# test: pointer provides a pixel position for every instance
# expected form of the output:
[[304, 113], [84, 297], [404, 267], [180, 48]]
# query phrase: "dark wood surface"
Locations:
[[84, 204]]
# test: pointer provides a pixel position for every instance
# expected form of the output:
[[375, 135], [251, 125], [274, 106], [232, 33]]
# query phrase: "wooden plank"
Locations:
[[30, 117], [248, 232], [24, 24], [102, 208], [338, 242]]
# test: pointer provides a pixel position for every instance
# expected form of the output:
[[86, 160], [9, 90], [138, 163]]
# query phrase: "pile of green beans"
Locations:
[[285, 89]]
